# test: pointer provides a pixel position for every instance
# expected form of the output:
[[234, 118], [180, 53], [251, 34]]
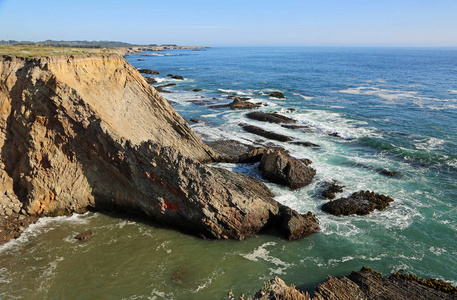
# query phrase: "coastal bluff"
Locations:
[[88, 132]]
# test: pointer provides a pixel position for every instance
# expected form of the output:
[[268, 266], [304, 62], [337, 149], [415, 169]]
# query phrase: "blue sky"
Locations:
[[234, 22]]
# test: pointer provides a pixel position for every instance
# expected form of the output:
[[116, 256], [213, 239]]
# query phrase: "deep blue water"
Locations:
[[392, 109]]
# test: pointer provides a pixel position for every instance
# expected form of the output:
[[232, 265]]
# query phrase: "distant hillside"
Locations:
[[82, 44]]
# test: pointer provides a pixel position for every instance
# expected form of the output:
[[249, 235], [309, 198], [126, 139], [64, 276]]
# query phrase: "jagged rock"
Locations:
[[277, 95], [148, 71], [160, 88], [294, 126], [277, 289], [197, 90], [280, 168], [332, 189], [305, 144], [12, 226], [365, 284], [238, 104], [84, 235], [388, 173], [150, 80], [269, 117], [360, 203], [177, 77], [268, 134], [231, 151], [73, 140], [294, 225]]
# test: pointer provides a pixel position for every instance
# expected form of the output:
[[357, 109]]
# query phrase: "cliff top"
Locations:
[[29, 51]]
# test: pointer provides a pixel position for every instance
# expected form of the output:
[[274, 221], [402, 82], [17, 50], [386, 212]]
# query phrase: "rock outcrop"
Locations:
[[148, 71], [265, 133], [269, 117], [238, 104], [365, 284], [278, 95], [89, 132], [279, 167], [360, 203]]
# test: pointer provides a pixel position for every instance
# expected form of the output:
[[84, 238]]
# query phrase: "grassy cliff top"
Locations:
[[29, 51]]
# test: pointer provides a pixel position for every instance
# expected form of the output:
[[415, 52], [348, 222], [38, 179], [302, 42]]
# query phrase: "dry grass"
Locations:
[[29, 51]]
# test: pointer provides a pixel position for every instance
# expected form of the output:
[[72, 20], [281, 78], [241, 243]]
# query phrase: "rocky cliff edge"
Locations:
[[89, 132]]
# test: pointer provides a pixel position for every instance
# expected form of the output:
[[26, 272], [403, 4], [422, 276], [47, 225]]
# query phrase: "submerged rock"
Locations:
[[197, 90], [280, 168], [269, 117], [266, 134], [360, 203], [148, 71], [305, 144], [84, 235], [332, 189], [277, 95], [150, 80]]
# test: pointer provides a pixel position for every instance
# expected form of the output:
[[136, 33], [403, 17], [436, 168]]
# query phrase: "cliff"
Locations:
[[79, 132]]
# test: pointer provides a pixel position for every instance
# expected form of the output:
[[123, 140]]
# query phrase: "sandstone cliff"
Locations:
[[88, 131]]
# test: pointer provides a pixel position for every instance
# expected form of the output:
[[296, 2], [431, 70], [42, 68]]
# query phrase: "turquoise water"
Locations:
[[393, 109]]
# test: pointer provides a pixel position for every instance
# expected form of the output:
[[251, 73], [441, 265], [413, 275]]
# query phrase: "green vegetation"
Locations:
[[30, 51]]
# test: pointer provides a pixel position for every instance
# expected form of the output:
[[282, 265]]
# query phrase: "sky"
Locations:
[[404, 23]]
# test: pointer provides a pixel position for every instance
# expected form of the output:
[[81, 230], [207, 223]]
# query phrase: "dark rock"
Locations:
[[160, 88], [84, 235], [231, 151], [230, 97], [360, 203], [388, 173], [238, 104], [12, 226], [335, 134], [269, 117], [197, 90], [139, 59], [266, 134], [294, 126], [148, 71], [277, 95], [195, 120], [280, 168], [288, 110], [305, 144], [150, 80], [177, 77], [365, 284], [332, 189], [244, 98], [295, 225]]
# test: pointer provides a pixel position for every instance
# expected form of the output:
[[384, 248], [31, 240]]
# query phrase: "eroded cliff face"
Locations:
[[88, 131]]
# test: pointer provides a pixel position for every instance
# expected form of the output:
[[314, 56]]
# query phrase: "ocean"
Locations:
[[369, 110]]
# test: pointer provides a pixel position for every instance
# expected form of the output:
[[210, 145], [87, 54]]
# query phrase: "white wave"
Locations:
[[452, 91], [123, 223], [437, 251], [48, 274], [389, 95], [236, 92], [262, 253], [429, 144], [160, 79], [43, 225], [303, 96], [207, 281]]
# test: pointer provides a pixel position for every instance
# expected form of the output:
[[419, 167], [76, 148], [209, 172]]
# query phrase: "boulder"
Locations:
[[269, 117], [280, 168], [231, 151], [177, 77], [148, 71], [360, 203], [197, 90], [84, 235], [265, 133], [277, 95], [238, 104]]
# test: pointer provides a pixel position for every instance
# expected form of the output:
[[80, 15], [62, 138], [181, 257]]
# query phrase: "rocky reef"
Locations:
[[88, 132], [365, 284]]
